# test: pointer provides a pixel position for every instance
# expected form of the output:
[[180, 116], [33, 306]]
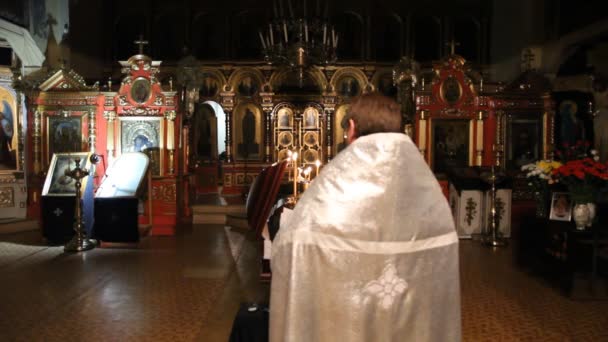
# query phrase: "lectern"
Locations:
[[117, 199], [59, 198]]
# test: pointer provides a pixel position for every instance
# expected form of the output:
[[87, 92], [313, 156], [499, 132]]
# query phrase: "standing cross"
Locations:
[[141, 42], [452, 46], [528, 58]]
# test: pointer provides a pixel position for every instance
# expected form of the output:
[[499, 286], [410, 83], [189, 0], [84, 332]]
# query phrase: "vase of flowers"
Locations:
[[540, 176], [585, 177]]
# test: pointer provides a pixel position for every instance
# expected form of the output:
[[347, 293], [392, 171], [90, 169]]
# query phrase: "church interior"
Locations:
[[146, 146]]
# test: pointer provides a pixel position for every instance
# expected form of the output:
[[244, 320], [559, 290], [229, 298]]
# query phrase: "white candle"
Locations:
[[270, 34], [262, 39], [317, 164]]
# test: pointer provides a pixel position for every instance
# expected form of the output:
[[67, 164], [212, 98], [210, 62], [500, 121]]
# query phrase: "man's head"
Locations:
[[369, 114]]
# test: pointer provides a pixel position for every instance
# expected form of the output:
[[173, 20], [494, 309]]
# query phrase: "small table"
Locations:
[[558, 250]]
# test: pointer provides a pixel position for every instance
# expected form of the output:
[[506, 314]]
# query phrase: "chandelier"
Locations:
[[296, 40]]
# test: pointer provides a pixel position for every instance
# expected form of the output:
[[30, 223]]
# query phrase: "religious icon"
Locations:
[[57, 183], [339, 132], [248, 86], [348, 87], [450, 90], [210, 87], [65, 134], [284, 118], [571, 128], [247, 131], [140, 143], [523, 142], [140, 90], [310, 117], [7, 131], [310, 156], [450, 145], [310, 139], [143, 135], [204, 131], [285, 139], [385, 86]]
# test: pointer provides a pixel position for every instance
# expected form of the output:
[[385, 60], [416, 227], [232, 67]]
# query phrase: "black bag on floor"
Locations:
[[250, 324]]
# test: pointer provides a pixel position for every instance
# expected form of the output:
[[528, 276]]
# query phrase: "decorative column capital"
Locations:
[[109, 115], [170, 115]]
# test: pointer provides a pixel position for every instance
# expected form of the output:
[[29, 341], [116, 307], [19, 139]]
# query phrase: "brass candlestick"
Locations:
[[79, 242], [492, 238]]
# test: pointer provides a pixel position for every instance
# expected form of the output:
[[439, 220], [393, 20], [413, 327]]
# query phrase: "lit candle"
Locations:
[[317, 164], [294, 158], [307, 173], [289, 161]]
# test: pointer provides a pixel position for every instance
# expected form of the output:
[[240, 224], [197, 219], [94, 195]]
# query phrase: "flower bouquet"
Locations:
[[539, 176], [585, 178]]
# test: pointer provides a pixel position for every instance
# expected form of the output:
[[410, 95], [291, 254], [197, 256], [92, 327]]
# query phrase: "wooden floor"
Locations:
[[188, 288]]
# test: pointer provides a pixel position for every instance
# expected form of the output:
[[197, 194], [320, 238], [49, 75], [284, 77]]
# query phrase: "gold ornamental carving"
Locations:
[[141, 111], [170, 115], [165, 192], [7, 197], [109, 115]]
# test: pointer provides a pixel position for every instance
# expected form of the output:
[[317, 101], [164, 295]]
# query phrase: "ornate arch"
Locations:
[[315, 74], [239, 74], [352, 72]]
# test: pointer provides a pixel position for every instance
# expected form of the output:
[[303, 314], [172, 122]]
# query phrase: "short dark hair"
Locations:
[[373, 113]]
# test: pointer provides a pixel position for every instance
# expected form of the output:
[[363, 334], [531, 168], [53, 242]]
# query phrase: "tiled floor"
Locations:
[[188, 288]]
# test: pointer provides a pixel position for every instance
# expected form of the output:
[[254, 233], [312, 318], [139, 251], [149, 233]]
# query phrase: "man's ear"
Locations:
[[351, 132]]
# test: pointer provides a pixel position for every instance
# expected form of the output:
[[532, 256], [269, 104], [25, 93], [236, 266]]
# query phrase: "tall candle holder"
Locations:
[[79, 242], [492, 237]]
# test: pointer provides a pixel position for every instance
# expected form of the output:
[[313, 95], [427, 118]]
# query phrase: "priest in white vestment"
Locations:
[[370, 252]]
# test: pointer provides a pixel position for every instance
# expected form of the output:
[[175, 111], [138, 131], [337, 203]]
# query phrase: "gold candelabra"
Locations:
[[79, 242]]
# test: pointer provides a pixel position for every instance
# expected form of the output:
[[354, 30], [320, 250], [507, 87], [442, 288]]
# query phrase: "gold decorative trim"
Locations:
[[166, 192], [7, 197]]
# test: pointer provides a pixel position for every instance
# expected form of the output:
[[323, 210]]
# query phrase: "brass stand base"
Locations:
[[79, 245], [495, 242]]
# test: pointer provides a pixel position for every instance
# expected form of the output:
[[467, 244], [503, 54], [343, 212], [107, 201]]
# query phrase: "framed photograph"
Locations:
[[64, 134], [524, 141], [143, 135], [8, 129], [561, 206], [450, 141], [56, 182]]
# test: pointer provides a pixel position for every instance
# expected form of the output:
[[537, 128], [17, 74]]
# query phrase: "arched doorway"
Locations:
[[207, 146]]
